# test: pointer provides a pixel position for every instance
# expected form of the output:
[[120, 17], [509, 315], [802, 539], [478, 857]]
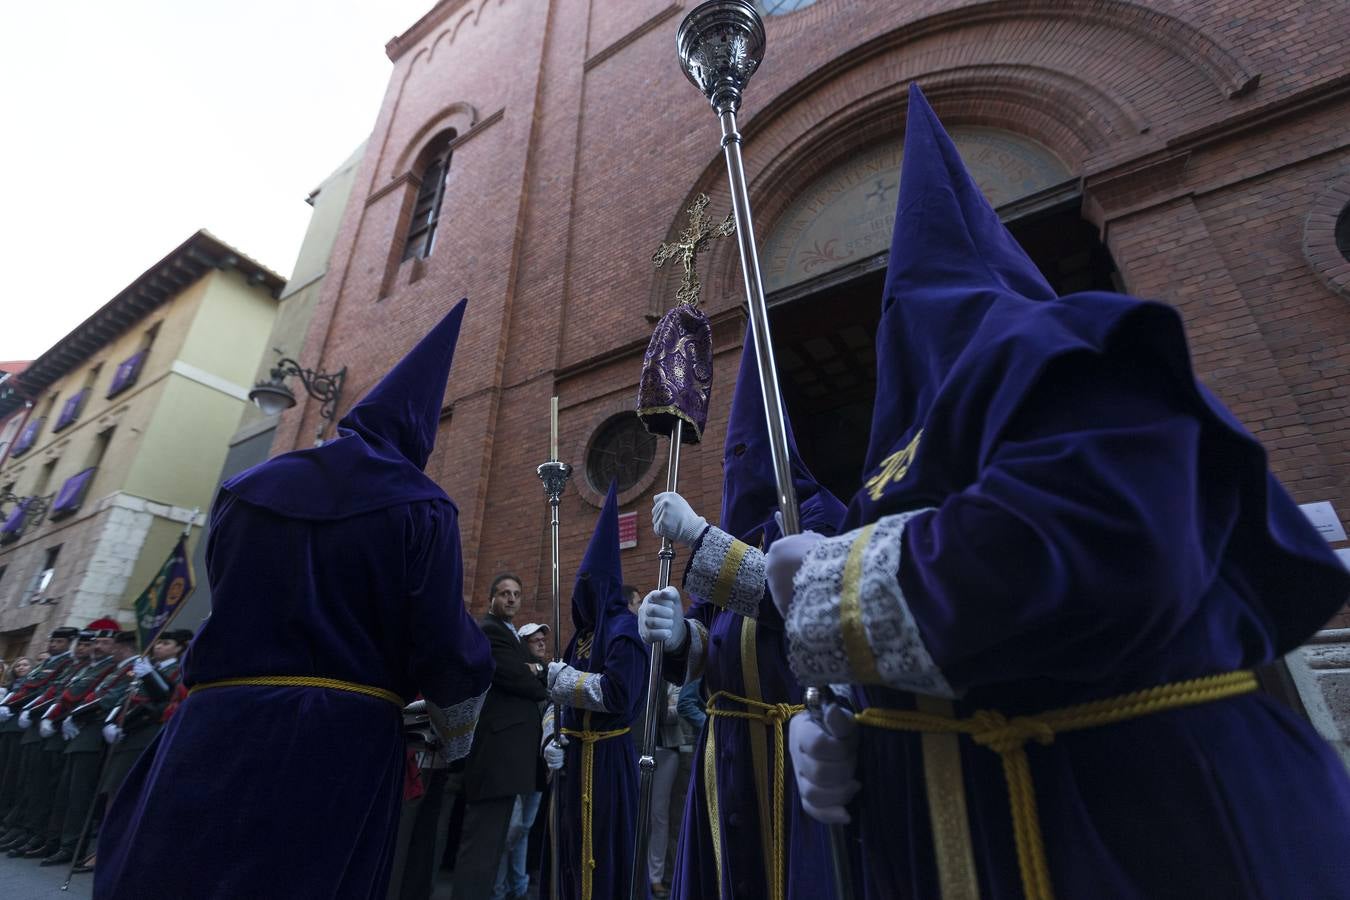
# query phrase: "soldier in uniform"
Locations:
[[14, 780], [9, 733], [40, 768], [79, 759], [132, 724]]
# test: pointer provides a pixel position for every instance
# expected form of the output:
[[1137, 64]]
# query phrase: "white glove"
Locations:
[[25, 720], [555, 754], [142, 667], [782, 562], [554, 668], [111, 733], [46, 728], [824, 760], [6, 713], [69, 729], [661, 618], [674, 518]]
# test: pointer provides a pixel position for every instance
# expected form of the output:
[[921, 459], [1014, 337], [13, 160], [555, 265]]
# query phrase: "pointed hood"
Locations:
[[597, 594], [749, 488], [968, 329], [383, 443]]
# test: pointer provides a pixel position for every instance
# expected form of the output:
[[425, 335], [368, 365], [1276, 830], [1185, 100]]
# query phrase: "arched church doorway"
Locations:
[[824, 265]]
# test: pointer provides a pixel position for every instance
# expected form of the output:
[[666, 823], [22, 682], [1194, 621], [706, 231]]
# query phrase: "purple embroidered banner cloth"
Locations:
[[14, 523], [127, 372], [71, 410], [28, 438], [677, 374], [71, 495]]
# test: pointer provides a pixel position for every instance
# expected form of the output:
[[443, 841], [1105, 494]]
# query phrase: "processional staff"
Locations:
[[721, 44], [672, 402], [554, 474]]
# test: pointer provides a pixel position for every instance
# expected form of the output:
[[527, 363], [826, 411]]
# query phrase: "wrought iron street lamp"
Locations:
[[273, 396]]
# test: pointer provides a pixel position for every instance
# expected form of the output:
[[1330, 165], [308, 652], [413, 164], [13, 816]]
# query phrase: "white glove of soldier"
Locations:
[[69, 730], [555, 754], [24, 719], [824, 760], [674, 518], [111, 733], [6, 713], [660, 618], [782, 562], [46, 728], [142, 667]]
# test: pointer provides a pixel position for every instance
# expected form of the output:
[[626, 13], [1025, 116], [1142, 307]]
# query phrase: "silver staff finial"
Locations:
[[721, 44]]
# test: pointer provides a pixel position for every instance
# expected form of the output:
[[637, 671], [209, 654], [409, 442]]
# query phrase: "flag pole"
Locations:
[[554, 475], [720, 45]]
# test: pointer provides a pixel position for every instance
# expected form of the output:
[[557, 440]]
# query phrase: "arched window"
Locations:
[[427, 209]]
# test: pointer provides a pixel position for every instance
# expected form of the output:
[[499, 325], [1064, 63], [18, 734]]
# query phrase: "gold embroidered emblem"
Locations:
[[893, 468], [583, 650]]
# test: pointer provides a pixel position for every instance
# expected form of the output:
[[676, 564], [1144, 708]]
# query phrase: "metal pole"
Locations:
[[721, 44], [637, 886], [554, 474]]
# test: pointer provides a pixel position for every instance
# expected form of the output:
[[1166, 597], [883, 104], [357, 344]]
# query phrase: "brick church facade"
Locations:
[[532, 155]]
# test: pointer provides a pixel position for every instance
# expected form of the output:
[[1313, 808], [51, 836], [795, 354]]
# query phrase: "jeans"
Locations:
[[512, 879]]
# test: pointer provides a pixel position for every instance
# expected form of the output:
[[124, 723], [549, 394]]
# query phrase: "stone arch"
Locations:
[[459, 116]]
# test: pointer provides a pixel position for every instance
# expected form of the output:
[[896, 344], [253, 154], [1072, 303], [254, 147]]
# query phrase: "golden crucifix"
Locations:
[[693, 241]]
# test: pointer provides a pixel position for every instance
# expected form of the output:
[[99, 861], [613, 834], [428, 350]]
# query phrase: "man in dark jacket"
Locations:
[[501, 764]]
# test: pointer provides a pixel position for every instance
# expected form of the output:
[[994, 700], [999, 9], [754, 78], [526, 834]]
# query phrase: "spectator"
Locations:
[[669, 738], [501, 766], [513, 878], [692, 716]]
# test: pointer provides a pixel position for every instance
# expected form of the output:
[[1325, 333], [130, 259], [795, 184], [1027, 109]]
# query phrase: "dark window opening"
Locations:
[[1343, 233], [430, 195], [824, 344], [43, 579]]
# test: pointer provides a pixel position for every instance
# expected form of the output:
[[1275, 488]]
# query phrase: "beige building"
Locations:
[[128, 421]]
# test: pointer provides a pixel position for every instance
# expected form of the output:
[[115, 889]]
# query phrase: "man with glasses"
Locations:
[[501, 765]]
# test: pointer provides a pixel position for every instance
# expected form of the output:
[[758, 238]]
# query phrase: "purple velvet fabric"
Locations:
[[606, 642], [250, 788], [749, 500], [1102, 525], [71, 495], [127, 372], [383, 443], [676, 377], [14, 522], [70, 411], [28, 437]]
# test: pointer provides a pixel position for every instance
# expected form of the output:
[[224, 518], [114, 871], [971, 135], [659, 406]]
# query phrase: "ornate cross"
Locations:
[[693, 241]]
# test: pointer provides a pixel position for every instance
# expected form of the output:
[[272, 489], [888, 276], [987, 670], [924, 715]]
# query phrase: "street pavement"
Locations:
[[24, 879]]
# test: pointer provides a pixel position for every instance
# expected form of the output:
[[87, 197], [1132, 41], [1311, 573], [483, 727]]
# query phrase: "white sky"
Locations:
[[126, 126]]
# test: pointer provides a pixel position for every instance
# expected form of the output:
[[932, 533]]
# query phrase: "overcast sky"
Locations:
[[129, 125]]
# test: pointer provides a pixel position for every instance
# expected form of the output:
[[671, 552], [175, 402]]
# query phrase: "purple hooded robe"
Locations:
[[337, 562], [1060, 514]]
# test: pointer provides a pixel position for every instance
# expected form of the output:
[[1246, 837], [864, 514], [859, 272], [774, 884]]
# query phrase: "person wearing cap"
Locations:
[[600, 685], [1063, 561], [501, 766], [535, 637], [733, 639], [82, 750], [337, 597], [15, 714]]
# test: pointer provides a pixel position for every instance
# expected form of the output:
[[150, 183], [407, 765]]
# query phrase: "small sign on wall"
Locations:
[[1324, 519], [628, 530]]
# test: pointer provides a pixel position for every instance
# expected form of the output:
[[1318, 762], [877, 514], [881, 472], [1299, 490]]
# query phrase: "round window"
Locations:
[[781, 7], [622, 450], [1343, 233]]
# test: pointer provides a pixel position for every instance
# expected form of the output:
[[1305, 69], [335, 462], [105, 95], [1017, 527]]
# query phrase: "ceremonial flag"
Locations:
[[158, 603]]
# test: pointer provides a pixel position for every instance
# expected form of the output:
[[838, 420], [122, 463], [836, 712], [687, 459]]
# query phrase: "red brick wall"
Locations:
[[1205, 134]]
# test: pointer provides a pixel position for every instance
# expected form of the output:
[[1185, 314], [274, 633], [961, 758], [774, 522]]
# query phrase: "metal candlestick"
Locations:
[[554, 475]]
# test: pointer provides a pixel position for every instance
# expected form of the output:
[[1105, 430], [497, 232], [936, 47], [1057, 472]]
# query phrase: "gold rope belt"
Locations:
[[1008, 738], [302, 681], [772, 716], [588, 741]]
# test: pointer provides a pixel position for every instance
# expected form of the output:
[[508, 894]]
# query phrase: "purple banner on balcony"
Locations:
[[28, 438], [14, 522], [127, 373], [71, 411], [71, 495]]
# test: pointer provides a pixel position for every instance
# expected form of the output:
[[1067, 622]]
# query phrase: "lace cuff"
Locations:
[[727, 572], [578, 689], [462, 719], [849, 621], [698, 647]]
